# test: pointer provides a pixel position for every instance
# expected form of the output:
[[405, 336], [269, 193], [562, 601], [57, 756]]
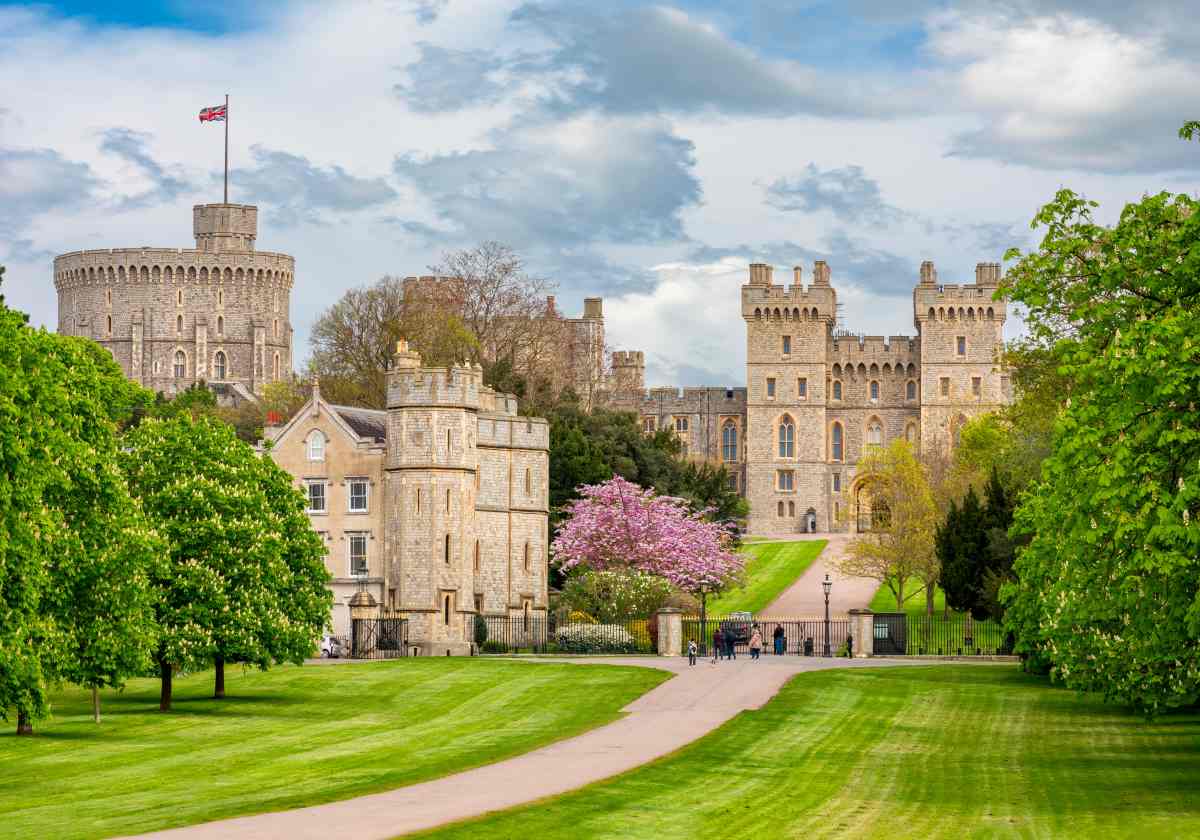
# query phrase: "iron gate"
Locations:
[[378, 638], [890, 634]]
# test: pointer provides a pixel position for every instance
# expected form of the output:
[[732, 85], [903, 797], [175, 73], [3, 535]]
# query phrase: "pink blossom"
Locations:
[[618, 524]]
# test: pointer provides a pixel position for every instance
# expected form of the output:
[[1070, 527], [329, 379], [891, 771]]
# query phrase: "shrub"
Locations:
[[616, 595], [481, 630], [493, 646], [594, 638]]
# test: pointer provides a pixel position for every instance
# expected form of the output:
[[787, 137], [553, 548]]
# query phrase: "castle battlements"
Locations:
[[763, 300]]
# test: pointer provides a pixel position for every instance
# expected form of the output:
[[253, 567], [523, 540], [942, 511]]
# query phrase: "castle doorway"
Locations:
[[872, 510], [810, 521]]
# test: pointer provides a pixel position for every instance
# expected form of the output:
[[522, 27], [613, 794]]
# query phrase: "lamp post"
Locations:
[[827, 585]]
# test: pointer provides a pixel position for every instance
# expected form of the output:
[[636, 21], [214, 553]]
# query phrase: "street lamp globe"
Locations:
[[827, 585]]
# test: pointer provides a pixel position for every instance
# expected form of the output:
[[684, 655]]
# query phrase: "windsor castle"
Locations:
[[435, 509]]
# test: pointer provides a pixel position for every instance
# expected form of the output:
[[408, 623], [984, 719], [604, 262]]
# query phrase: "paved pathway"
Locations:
[[806, 598], [693, 703]]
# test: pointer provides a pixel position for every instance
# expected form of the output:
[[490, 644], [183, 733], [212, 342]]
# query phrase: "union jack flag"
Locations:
[[213, 114]]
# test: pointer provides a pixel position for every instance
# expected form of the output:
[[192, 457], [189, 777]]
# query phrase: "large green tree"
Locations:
[[240, 556], [75, 551], [1108, 589]]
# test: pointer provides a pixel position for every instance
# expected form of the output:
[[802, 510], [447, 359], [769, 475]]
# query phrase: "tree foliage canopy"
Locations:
[[1108, 590]]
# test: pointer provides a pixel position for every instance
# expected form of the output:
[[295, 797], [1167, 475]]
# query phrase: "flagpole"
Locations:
[[227, 148]]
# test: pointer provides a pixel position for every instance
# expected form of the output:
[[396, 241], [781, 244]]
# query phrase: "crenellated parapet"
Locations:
[[952, 302], [764, 301]]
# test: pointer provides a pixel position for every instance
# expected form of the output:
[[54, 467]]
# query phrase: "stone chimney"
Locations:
[[928, 274], [797, 275], [820, 273], [404, 357], [760, 274], [987, 274], [593, 307]]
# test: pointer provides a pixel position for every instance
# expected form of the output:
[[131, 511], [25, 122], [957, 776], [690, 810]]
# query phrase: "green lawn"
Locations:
[[289, 737], [772, 568], [914, 604], [944, 751]]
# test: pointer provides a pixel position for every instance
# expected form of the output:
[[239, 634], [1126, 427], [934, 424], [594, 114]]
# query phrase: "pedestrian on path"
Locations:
[[755, 643], [691, 651], [718, 644], [730, 645], [780, 642]]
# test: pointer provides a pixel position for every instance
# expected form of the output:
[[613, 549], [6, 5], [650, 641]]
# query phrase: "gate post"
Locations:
[[670, 631], [862, 627]]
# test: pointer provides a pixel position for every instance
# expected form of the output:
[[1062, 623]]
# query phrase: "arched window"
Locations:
[[525, 557], [874, 391], [276, 327], [316, 445], [910, 433], [910, 390], [787, 437], [779, 510], [180, 364], [729, 441], [447, 549], [108, 296], [219, 365], [837, 390], [835, 446], [220, 297], [178, 323], [791, 509], [477, 555], [220, 325], [109, 325], [446, 606], [179, 298], [275, 367], [874, 433]]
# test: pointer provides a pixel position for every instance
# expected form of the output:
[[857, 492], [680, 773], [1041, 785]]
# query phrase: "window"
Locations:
[[910, 390], [649, 425], [446, 609], [109, 328], [275, 368], [961, 344], [729, 442], [447, 549], [316, 445], [874, 391], [792, 509], [358, 554], [219, 365], [779, 510], [945, 386], [733, 481], [479, 603], [787, 344], [178, 323], [525, 607], [447, 500], [681, 425], [316, 497], [447, 441], [525, 557], [220, 297], [108, 296], [787, 438], [976, 385], [476, 564], [910, 433], [837, 482], [785, 481], [837, 390], [391, 598], [179, 298], [802, 388], [528, 482], [835, 449], [180, 364], [418, 500], [874, 434], [771, 387], [359, 489]]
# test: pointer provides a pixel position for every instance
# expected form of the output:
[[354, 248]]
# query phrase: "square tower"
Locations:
[[787, 336]]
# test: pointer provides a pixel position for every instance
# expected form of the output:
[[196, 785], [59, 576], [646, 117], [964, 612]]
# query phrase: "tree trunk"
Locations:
[[96, 703], [900, 596], [219, 686], [929, 600], [24, 724], [165, 672]]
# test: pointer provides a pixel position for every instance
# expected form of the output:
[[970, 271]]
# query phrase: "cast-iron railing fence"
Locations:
[[801, 636], [378, 638], [549, 634]]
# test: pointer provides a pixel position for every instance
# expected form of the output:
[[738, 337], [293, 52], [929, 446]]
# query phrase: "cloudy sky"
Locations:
[[644, 153]]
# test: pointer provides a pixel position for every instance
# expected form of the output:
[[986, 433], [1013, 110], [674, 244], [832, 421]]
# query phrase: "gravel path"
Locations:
[[806, 599]]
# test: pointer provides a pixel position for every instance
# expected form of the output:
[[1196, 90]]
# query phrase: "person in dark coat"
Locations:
[[780, 644], [718, 644]]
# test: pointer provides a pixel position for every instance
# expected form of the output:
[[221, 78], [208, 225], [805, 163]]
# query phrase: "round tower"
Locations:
[[219, 312]]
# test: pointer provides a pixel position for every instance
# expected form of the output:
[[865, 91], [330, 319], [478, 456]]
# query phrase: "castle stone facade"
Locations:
[[437, 507], [172, 317], [816, 397]]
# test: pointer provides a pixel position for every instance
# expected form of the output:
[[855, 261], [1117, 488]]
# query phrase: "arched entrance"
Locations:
[[810, 521], [872, 511]]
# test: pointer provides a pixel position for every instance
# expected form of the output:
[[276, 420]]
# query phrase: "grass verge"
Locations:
[[945, 751], [772, 567], [289, 737]]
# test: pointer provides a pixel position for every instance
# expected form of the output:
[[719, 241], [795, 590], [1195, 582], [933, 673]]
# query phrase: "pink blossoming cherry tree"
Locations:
[[619, 525]]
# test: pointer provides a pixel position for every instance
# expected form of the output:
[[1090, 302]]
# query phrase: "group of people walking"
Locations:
[[724, 644]]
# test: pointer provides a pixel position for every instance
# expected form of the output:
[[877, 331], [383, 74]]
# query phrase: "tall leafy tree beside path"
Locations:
[[900, 544], [619, 525], [237, 549], [1108, 590], [74, 548]]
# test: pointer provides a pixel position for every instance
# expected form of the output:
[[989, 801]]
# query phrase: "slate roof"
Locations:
[[366, 422]]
